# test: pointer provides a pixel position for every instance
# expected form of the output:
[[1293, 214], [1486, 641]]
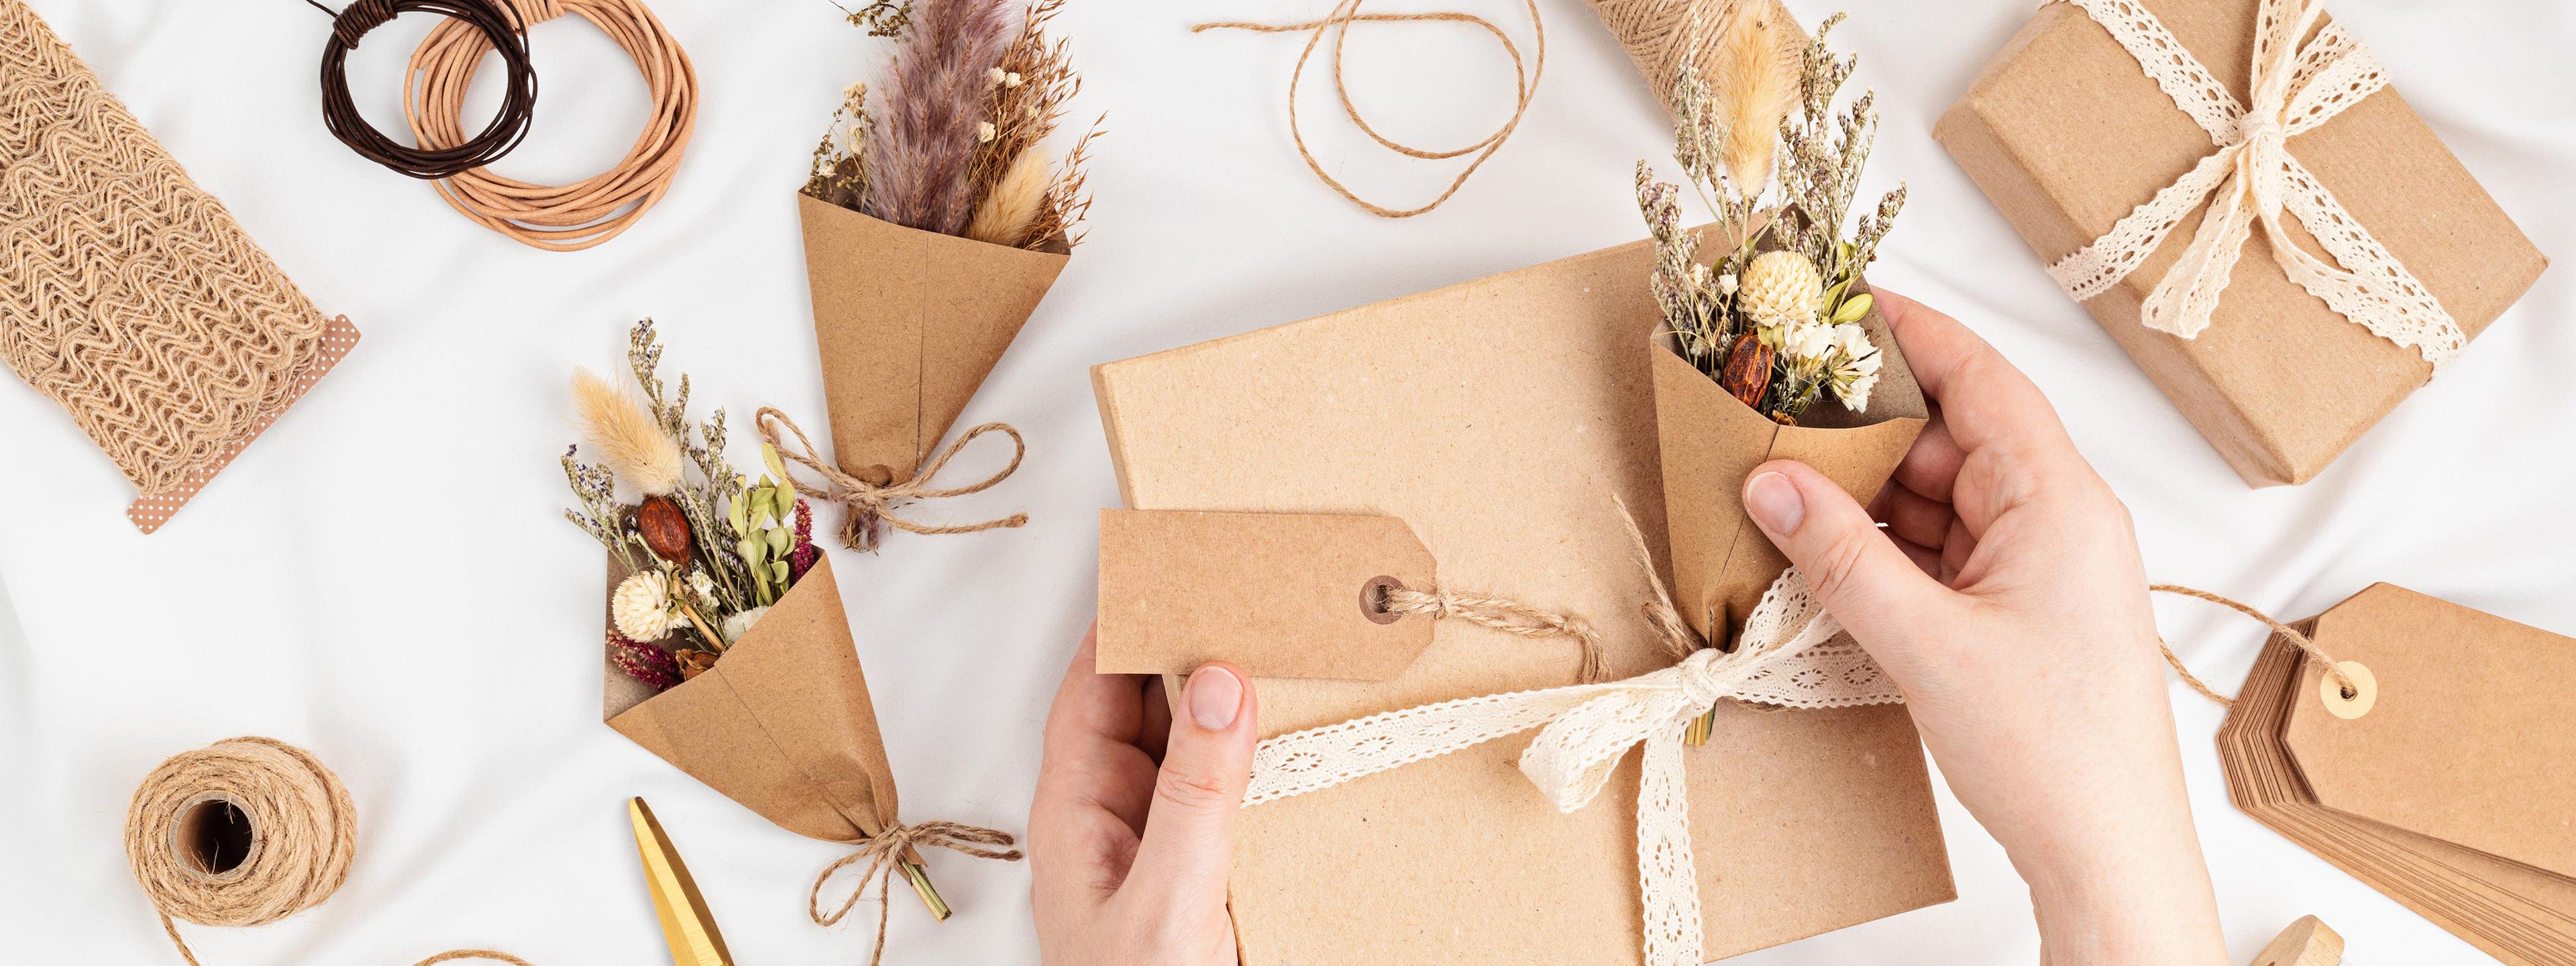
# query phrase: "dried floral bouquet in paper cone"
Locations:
[[955, 143], [1774, 316], [706, 550]]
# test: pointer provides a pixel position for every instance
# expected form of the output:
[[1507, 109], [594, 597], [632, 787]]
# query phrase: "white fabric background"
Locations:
[[384, 578]]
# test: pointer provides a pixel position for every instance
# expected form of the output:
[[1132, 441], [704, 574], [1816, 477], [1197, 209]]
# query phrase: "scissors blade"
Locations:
[[686, 924]]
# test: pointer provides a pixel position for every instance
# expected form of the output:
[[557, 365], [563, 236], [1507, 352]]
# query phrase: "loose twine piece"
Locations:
[[497, 27], [1347, 12], [869, 504], [585, 213], [884, 851], [1502, 614], [303, 836], [2333, 668], [128, 295]]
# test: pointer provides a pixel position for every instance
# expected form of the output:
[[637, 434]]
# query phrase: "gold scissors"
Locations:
[[686, 924]]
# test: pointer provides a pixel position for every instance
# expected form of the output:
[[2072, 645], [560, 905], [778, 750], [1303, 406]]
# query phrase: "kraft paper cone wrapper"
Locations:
[[908, 323], [1497, 420], [781, 723], [2066, 134], [1710, 441]]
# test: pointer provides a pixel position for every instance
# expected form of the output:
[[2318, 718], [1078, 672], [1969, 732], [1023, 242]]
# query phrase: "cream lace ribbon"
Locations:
[[2295, 88], [1790, 653]]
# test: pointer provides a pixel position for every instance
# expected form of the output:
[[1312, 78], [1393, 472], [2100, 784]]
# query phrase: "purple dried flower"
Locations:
[[802, 554], [920, 148], [644, 662]]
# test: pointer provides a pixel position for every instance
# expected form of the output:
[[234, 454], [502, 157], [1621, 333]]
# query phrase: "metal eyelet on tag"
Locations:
[[1373, 600], [2365, 691]]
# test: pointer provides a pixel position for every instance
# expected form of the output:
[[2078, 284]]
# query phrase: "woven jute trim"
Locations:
[[127, 294]]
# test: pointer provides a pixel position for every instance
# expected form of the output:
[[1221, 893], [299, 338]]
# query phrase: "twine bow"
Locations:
[[886, 850], [1588, 728], [870, 505], [2252, 178]]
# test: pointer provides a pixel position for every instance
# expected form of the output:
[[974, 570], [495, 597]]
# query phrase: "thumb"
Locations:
[[1189, 830], [1853, 569]]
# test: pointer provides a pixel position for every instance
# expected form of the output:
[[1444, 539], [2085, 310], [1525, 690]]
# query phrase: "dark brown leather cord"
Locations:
[[494, 20]]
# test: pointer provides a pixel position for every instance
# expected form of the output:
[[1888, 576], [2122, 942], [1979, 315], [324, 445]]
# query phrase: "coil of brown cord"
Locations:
[[489, 19], [244, 832], [569, 217]]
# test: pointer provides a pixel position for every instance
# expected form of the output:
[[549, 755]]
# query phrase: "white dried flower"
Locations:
[[1782, 285], [698, 581], [995, 76], [642, 607], [1807, 340], [984, 131], [740, 623], [1726, 283], [1011, 79], [1855, 393]]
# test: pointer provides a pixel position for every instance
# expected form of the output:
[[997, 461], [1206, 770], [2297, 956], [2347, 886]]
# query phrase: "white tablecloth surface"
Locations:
[[384, 578]]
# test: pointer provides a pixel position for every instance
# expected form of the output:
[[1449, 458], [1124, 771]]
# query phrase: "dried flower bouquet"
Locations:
[[729, 655], [1768, 344], [936, 218], [1773, 317]]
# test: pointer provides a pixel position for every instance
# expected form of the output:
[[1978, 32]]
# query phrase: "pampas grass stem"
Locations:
[[627, 438], [923, 142]]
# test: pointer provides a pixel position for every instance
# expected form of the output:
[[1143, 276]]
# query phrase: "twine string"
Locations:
[[1502, 614], [885, 850], [584, 213], [303, 837], [2291, 634], [869, 504], [494, 25], [1346, 12]]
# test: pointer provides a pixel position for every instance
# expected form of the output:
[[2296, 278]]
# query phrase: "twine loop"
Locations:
[[560, 218], [870, 505], [890, 848], [1502, 614], [301, 834], [1347, 12], [2334, 669]]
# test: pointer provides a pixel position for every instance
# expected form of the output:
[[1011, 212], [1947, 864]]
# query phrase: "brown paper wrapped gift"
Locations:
[[1710, 441], [908, 324], [2067, 133], [1497, 420]]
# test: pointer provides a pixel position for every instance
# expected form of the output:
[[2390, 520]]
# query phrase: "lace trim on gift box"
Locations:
[[2252, 177]]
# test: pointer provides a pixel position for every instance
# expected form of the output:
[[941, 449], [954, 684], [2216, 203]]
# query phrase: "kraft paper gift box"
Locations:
[[2067, 133], [908, 324], [1499, 420]]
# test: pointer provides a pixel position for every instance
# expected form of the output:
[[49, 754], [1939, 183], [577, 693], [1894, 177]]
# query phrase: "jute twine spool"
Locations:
[[1661, 35], [245, 832], [572, 217]]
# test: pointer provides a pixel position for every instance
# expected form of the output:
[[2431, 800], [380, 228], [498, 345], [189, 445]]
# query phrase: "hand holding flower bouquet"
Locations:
[[1768, 345]]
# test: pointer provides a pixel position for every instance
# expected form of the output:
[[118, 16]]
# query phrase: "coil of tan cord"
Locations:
[[575, 216], [244, 832]]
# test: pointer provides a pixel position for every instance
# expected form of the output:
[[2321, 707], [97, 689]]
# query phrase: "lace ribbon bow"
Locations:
[[2253, 178], [1790, 652]]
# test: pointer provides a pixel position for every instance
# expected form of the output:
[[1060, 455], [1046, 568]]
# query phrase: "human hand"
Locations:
[[2007, 600], [1129, 857]]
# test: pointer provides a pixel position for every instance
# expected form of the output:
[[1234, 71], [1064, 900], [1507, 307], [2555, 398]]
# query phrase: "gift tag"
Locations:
[[2458, 728], [1294, 595]]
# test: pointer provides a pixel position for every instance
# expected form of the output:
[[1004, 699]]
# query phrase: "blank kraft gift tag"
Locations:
[[1282, 595], [2457, 703]]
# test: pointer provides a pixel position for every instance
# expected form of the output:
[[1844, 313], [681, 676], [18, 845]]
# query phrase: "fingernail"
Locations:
[[1775, 503], [1215, 695]]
